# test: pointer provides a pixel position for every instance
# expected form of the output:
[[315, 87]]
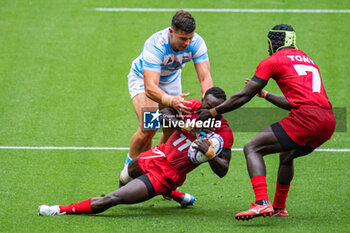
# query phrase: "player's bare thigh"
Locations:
[[265, 142], [141, 101]]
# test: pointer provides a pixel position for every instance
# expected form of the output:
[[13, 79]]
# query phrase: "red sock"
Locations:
[[176, 195], [281, 195], [260, 188], [83, 207]]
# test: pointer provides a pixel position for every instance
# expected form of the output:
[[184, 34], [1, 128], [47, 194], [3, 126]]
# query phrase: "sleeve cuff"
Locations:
[[201, 58], [259, 80]]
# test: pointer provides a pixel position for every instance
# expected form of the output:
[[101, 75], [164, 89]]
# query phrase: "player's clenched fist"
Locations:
[[206, 146]]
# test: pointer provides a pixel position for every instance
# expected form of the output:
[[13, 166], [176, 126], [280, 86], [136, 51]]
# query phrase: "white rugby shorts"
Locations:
[[136, 86]]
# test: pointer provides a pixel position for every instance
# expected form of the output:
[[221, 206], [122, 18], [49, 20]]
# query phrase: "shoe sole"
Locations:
[[280, 215], [249, 217]]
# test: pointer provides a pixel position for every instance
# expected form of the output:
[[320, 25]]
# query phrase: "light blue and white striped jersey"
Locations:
[[157, 55]]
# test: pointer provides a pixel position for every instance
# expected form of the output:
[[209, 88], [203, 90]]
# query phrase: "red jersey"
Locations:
[[297, 76], [177, 146]]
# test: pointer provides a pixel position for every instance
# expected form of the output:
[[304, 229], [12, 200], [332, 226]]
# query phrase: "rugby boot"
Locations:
[[255, 211], [280, 212]]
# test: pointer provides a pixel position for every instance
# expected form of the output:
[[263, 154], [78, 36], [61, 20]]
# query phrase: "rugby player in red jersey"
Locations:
[[163, 168], [310, 123]]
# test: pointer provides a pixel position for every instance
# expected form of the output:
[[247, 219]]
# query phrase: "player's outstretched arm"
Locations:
[[278, 100], [152, 90], [235, 101], [204, 76], [240, 98]]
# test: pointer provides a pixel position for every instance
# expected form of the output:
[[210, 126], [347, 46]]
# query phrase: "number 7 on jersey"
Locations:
[[316, 78]]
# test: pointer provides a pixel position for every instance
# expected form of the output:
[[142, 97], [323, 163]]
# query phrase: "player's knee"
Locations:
[[248, 149], [146, 135], [111, 200], [100, 204]]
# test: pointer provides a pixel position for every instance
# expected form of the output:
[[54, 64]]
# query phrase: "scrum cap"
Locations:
[[281, 36]]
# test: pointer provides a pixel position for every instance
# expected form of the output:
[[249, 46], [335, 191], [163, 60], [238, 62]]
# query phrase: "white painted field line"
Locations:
[[224, 10], [116, 148], [60, 148]]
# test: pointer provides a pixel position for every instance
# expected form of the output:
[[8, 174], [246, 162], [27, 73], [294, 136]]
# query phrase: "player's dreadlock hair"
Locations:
[[183, 21], [281, 36], [217, 92]]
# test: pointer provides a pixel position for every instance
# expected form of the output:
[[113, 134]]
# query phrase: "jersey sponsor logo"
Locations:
[[183, 58], [186, 59], [179, 59], [171, 67], [169, 61]]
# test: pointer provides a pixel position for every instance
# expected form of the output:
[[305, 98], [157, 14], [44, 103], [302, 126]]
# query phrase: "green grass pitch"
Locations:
[[63, 82]]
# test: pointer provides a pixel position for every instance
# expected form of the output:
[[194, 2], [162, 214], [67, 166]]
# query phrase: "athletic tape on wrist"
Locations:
[[265, 94], [210, 153], [167, 99], [213, 112]]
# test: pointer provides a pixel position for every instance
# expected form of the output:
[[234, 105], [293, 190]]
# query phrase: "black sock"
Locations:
[[262, 202]]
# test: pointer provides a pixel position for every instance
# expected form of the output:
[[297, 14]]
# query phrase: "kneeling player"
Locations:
[[163, 168]]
